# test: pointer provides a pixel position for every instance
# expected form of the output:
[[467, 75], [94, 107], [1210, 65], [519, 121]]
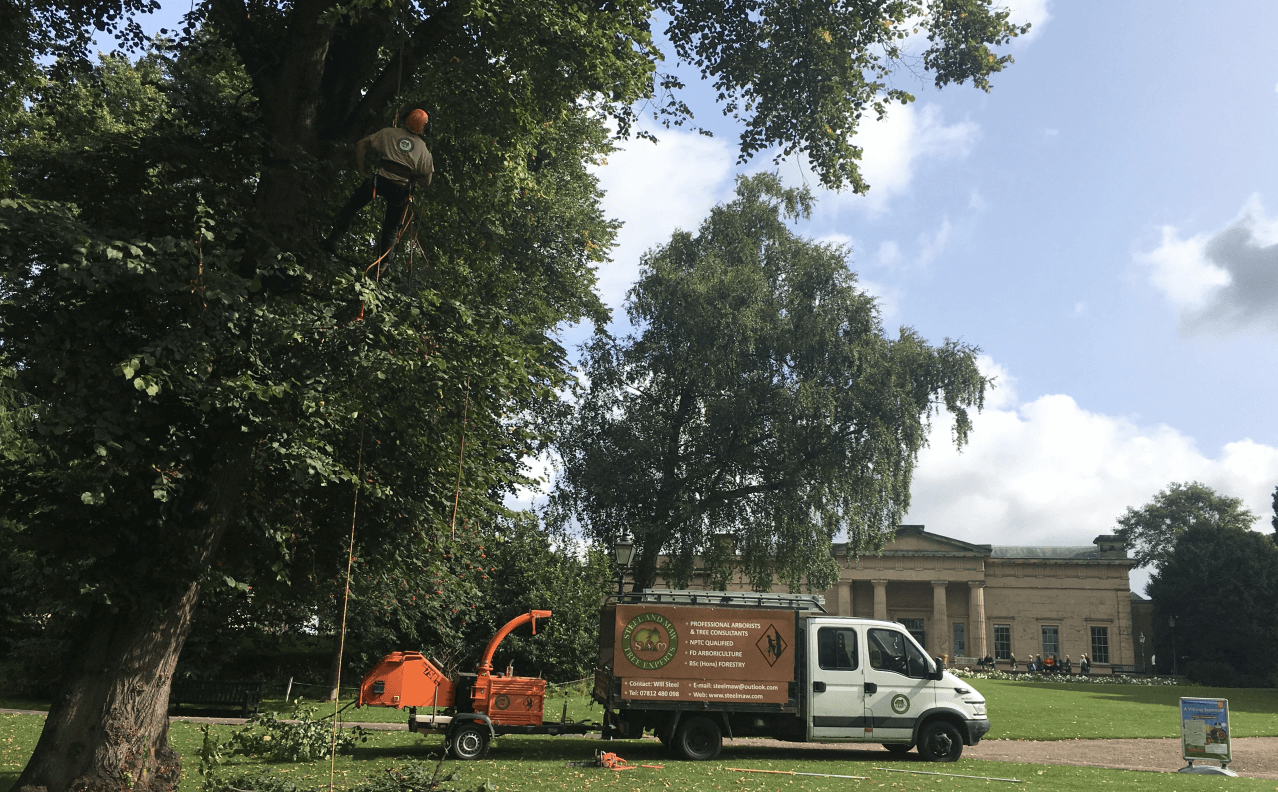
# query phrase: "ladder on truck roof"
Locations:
[[723, 599]]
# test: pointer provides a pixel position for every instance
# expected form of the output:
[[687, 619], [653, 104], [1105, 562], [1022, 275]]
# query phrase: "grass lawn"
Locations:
[[1027, 711], [1018, 710], [530, 763]]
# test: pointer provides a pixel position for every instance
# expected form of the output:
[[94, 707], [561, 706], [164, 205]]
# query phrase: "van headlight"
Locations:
[[978, 708]]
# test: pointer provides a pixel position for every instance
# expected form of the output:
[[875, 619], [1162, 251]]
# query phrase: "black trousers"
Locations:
[[396, 197]]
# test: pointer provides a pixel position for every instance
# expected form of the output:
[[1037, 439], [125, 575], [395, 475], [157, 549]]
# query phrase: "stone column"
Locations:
[[976, 617], [880, 599], [851, 599], [940, 619]]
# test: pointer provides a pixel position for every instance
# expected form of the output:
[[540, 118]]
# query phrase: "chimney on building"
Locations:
[[1109, 544]]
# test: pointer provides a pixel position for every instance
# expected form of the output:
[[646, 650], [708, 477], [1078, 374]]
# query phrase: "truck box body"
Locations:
[[695, 666], [701, 654]]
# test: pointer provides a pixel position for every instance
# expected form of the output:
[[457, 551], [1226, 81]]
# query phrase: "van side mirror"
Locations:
[[939, 673]]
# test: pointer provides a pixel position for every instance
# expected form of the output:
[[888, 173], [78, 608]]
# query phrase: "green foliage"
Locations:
[[304, 739], [801, 76], [760, 399], [1152, 530], [210, 757], [1219, 583], [1274, 520], [1210, 673], [527, 571]]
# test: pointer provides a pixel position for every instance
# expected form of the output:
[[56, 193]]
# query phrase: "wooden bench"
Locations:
[[245, 695]]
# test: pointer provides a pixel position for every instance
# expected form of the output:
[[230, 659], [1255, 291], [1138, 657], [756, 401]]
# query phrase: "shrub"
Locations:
[[303, 739], [1212, 674]]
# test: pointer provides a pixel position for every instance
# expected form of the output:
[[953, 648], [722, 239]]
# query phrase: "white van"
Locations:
[[871, 682]]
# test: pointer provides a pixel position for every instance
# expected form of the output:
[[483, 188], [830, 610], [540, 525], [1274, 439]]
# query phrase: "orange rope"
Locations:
[[346, 598]]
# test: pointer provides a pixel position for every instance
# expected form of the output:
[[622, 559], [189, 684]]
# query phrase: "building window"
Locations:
[[1051, 640], [1002, 642], [915, 628], [960, 644], [1100, 644], [836, 648]]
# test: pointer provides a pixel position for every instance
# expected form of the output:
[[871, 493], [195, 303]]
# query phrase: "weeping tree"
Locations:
[[199, 391], [758, 410]]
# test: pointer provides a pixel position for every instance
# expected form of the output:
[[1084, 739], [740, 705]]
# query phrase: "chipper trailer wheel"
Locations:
[[469, 742]]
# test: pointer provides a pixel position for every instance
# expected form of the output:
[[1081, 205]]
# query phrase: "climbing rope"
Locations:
[[461, 453], [346, 598]]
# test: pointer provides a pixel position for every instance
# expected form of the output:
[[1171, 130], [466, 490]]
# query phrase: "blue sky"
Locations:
[[1103, 224]]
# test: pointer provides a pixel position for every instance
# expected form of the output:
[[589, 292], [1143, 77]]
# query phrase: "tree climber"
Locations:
[[404, 160]]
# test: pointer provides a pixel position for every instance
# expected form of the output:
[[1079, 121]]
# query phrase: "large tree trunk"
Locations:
[[108, 724]]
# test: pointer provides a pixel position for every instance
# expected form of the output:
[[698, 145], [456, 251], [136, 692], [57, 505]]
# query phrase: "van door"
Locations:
[[838, 682], [897, 687]]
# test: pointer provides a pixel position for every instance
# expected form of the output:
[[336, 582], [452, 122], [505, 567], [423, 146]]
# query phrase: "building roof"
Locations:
[[1058, 553]]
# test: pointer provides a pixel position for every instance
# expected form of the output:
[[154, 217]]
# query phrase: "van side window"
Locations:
[[836, 648], [890, 651]]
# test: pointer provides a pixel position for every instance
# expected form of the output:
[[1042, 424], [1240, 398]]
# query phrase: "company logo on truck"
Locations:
[[772, 644], [650, 641]]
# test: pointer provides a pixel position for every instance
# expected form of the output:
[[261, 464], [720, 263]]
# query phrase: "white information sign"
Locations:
[[1204, 729]]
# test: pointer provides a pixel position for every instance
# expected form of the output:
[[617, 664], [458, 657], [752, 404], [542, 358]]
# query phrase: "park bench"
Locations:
[[245, 695], [1122, 669]]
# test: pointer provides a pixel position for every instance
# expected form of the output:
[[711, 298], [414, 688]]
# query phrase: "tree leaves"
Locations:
[[758, 411], [1152, 530]]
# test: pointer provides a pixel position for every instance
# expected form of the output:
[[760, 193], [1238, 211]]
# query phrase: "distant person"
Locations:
[[1049, 664], [1038, 663], [1011, 658], [1085, 665], [1069, 665]]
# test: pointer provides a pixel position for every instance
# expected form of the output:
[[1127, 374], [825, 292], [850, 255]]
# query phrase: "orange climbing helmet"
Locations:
[[416, 121]]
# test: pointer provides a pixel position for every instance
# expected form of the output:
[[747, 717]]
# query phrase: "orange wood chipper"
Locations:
[[471, 709]]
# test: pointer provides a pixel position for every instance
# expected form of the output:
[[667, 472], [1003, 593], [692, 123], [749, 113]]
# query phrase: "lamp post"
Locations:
[[623, 552], [1144, 669], [1171, 622]]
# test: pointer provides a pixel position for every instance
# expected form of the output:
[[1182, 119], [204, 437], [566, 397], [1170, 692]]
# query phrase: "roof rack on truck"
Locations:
[[724, 599]]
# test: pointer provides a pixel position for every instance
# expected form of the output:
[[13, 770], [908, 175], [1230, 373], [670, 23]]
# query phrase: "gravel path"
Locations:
[[1254, 757]]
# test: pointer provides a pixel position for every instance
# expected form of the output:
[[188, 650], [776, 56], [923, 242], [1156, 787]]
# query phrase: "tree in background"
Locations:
[[1274, 520], [1152, 530], [1220, 583], [760, 399], [201, 401]]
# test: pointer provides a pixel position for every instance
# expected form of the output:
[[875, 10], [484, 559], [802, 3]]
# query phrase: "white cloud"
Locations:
[[1222, 282], [1080, 309], [894, 148], [1035, 12], [931, 245], [889, 254], [655, 189], [1049, 472]]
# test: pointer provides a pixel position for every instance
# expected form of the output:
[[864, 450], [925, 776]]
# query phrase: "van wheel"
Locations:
[[698, 739], [940, 742], [897, 748], [469, 742]]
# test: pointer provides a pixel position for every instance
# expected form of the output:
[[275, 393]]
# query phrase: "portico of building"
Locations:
[[966, 601]]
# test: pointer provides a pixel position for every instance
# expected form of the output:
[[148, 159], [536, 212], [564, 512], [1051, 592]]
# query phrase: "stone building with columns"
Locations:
[[967, 600]]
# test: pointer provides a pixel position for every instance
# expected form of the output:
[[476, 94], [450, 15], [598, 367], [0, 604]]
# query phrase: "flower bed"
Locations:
[[1093, 679]]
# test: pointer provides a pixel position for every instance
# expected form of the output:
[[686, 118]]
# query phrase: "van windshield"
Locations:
[[891, 651]]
